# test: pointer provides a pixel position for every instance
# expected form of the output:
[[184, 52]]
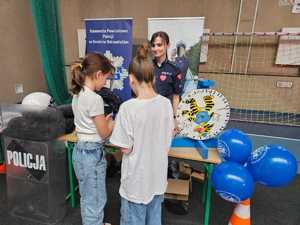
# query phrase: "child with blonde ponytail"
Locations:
[[143, 131]]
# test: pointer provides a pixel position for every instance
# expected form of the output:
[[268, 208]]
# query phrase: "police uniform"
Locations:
[[183, 64], [168, 79]]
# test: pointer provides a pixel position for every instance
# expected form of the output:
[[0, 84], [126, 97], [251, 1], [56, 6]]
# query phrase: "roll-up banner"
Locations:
[[113, 38]]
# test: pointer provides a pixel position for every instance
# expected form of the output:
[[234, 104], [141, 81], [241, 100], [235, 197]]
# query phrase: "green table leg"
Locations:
[[207, 203], [71, 177], [204, 190]]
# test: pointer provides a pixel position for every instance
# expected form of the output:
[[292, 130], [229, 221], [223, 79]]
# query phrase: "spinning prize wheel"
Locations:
[[202, 114]]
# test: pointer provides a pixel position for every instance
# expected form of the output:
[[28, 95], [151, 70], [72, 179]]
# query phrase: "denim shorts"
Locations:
[[90, 168], [141, 214]]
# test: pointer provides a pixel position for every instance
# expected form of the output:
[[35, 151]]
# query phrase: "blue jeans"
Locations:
[[141, 214], [90, 168]]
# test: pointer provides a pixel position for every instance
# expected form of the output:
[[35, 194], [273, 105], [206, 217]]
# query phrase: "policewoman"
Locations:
[[168, 77]]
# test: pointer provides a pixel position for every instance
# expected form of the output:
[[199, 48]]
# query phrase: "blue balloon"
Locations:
[[272, 165], [234, 145], [232, 181]]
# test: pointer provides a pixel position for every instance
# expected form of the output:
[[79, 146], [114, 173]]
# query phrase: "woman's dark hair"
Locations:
[[163, 35], [141, 67], [92, 63]]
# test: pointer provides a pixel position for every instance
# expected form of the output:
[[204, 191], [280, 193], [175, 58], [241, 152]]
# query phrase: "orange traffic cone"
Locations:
[[241, 214], [2, 168]]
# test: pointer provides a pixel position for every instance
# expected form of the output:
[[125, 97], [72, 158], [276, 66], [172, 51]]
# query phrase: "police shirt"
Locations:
[[168, 79]]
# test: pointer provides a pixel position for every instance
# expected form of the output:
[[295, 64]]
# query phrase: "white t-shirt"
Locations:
[[86, 105], [145, 127]]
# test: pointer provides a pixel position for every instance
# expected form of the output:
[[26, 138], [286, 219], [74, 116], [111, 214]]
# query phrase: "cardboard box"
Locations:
[[198, 176], [185, 170], [178, 189]]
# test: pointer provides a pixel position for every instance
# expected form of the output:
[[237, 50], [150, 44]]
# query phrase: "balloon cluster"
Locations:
[[270, 165]]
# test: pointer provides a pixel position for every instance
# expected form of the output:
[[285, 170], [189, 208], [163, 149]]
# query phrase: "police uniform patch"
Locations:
[[162, 77]]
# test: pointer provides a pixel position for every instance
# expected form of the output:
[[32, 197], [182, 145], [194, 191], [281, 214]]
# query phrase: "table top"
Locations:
[[178, 152], [72, 137], [191, 153]]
